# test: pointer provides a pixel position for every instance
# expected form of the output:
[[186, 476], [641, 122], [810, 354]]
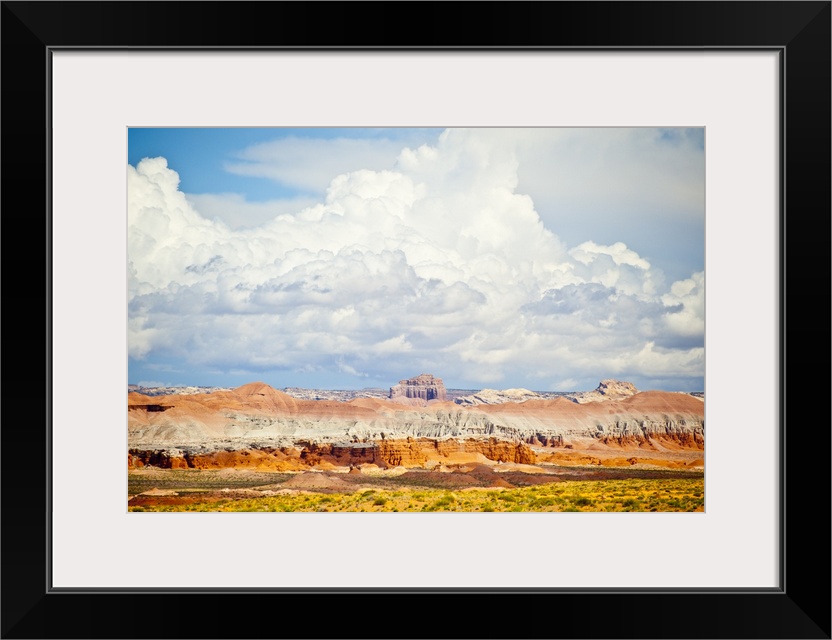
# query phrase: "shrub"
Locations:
[[445, 501]]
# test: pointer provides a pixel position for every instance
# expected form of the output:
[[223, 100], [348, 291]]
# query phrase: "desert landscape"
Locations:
[[415, 447], [416, 319]]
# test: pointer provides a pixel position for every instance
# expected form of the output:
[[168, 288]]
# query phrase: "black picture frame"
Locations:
[[799, 608]]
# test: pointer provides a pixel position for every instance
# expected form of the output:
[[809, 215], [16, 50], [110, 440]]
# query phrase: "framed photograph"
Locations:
[[517, 211], [383, 251]]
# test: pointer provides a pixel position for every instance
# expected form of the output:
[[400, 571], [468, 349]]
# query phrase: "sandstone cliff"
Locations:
[[423, 387], [385, 453]]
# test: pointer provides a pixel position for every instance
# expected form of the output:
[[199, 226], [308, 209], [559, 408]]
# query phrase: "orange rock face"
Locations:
[[386, 453]]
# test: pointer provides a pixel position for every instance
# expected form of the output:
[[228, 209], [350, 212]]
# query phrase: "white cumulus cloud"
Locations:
[[437, 263]]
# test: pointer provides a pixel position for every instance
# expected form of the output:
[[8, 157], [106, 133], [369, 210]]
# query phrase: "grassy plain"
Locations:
[[657, 494]]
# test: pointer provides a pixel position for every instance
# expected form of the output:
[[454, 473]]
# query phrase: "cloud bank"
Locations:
[[439, 265]]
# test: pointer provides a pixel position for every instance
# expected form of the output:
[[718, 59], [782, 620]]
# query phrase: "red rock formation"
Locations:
[[493, 449], [271, 459], [384, 453]]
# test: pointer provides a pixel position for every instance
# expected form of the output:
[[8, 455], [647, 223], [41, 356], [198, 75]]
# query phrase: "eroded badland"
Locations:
[[420, 448]]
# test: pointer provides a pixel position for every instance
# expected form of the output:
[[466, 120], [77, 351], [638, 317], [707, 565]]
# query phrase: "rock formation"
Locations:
[[607, 390], [423, 387], [256, 426], [492, 396], [386, 453]]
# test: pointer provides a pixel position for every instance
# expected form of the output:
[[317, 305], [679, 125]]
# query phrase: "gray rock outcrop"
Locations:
[[607, 390], [423, 387], [493, 396]]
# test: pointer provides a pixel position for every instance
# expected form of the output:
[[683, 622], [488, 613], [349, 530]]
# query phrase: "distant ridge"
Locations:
[[258, 414]]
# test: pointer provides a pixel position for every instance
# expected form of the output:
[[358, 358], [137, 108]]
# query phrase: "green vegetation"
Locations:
[[685, 494]]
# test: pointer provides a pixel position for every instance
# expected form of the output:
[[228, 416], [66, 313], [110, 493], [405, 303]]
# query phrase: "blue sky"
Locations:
[[207, 152], [349, 258]]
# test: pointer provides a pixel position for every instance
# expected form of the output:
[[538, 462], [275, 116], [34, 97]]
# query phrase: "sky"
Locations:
[[539, 258]]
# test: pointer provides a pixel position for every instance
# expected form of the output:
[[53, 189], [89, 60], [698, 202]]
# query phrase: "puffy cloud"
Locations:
[[639, 186], [686, 309], [439, 265], [238, 213]]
